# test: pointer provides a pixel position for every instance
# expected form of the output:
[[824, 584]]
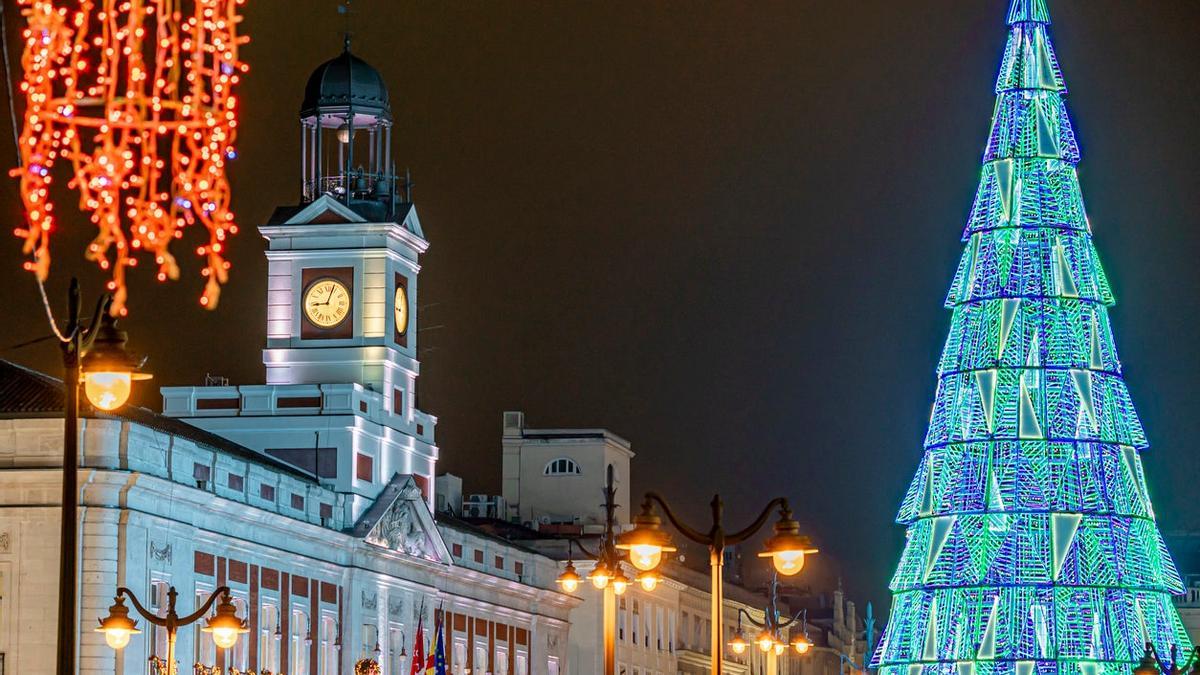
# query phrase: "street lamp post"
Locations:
[[94, 354], [773, 627], [647, 542], [606, 575], [224, 625]]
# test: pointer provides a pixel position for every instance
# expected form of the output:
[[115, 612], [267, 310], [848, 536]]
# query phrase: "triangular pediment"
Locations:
[[325, 210], [400, 521], [412, 223]]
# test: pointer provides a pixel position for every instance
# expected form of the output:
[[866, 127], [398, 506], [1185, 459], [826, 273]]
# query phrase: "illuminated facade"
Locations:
[[310, 495], [1031, 544]]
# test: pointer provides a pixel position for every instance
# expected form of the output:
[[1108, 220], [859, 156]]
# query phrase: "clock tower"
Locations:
[[341, 351]]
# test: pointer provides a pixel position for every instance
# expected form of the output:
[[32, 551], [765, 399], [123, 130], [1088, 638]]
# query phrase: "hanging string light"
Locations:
[[137, 97]]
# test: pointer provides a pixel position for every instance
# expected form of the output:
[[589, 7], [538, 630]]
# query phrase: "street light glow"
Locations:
[[787, 547], [107, 390], [117, 626]]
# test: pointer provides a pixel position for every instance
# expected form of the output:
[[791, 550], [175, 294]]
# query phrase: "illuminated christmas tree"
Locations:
[[1031, 544]]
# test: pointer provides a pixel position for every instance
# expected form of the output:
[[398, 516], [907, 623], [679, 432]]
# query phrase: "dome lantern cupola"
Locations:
[[346, 136]]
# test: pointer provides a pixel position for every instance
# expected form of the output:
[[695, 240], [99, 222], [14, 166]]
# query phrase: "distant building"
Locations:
[[554, 488], [1185, 547], [550, 476], [448, 494]]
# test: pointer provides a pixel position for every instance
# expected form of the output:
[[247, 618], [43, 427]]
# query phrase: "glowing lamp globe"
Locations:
[[600, 576], [108, 369], [649, 580], [801, 645], [765, 641], [646, 542], [345, 135], [779, 647], [117, 626], [225, 626], [738, 644], [787, 547], [620, 583], [107, 390], [569, 579]]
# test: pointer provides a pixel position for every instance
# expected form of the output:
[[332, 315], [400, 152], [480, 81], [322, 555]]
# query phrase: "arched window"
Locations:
[[562, 467]]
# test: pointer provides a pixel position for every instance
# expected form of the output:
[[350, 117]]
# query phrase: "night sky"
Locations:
[[722, 230]]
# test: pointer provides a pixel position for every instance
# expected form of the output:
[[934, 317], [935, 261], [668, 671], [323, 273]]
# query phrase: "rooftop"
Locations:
[[26, 393]]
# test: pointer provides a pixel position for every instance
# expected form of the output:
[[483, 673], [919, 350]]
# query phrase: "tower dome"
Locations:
[[346, 137], [343, 82]]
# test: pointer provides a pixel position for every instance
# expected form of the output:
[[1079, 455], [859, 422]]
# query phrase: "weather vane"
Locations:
[[344, 9]]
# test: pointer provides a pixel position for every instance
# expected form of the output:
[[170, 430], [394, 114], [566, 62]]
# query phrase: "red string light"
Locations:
[[137, 95]]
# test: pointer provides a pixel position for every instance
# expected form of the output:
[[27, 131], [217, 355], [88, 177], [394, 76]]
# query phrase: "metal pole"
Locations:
[[610, 631], [717, 562], [171, 631], [69, 540]]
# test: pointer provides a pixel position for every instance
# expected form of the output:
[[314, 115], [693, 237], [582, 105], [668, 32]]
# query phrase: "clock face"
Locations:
[[400, 305], [326, 302]]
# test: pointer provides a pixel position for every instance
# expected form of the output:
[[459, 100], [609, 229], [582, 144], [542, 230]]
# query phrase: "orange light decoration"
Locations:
[[137, 95]]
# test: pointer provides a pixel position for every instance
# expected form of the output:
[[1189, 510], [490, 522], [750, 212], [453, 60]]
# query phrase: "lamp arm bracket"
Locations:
[[102, 305], [578, 544], [750, 619], [747, 532], [683, 528], [199, 613], [790, 622], [146, 614]]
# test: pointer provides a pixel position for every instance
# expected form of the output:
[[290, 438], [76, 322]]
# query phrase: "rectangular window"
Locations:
[[201, 473], [267, 492], [501, 663], [206, 650], [268, 646], [395, 647], [456, 550], [297, 502], [499, 562], [397, 402], [319, 461], [158, 604], [364, 467], [239, 656], [370, 634], [236, 482], [479, 556], [326, 511], [636, 621], [299, 402], [519, 568]]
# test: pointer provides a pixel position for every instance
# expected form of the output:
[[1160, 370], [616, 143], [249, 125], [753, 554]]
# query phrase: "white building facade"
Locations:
[[310, 495]]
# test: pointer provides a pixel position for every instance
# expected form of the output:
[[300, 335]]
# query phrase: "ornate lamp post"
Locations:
[[770, 638], [224, 625], [94, 355], [606, 575], [647, 542]]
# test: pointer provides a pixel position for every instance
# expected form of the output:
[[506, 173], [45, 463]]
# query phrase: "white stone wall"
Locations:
[[143, 519]]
